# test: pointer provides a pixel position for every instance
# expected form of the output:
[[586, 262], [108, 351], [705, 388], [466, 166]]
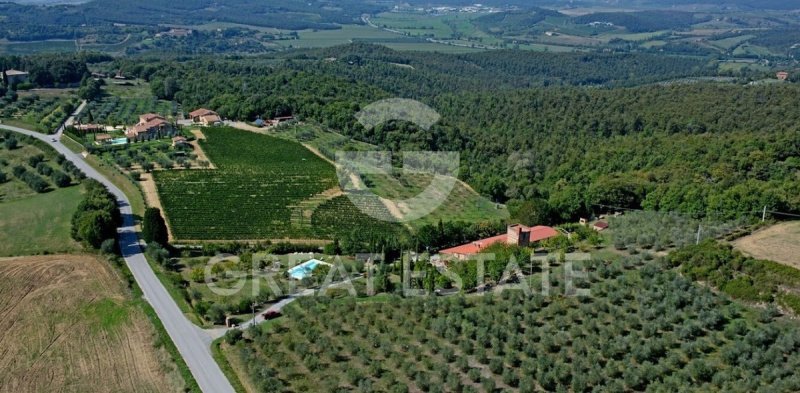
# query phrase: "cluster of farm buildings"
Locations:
[[155, 126], [516, 234]]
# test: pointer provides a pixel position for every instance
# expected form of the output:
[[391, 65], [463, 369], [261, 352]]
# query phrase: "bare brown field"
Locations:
[[779, 243], [67, 325]]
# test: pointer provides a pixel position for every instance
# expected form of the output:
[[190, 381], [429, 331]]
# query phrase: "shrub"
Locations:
[[109, 246], [233, 336]]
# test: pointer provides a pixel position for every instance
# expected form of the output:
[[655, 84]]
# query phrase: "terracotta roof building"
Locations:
[[517, 234], [150, 125], [197, 114], [600, 225], [210, 120], [102, 138]]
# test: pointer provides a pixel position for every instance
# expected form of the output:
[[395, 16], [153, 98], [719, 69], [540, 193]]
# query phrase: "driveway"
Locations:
[[192, 342]]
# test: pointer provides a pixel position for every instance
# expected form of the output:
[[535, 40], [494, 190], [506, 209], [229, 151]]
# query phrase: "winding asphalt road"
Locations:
[[192, 342]]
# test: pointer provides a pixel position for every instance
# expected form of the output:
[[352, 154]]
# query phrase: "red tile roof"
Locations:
[[476, 246], [541, 232], [147, 117], [201, 112], [144, 127], [601, 225], [210, 119]]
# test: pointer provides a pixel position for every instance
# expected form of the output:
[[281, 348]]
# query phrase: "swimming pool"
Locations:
[[304, 269], [119, 141]]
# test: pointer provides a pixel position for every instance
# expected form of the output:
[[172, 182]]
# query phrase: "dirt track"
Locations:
[[779, 243], [66, 325]]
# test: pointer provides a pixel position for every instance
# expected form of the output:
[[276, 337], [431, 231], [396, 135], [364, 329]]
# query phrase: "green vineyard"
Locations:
[[248, 196], [253, 193], [340, 216]]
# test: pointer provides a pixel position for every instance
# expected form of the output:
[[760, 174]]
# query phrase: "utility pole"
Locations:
[[698, 235], [764, 214]]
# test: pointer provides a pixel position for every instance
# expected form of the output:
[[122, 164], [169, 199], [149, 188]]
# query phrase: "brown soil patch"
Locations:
[[151, 198], [201, 155], [67, 325], [779, 243]]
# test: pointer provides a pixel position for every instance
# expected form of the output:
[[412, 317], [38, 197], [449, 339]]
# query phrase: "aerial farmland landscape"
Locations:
[[383, 196]]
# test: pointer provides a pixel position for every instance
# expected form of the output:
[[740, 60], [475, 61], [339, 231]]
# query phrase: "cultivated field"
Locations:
[[66, 325], [462, 203], [679, 336], [251, 193], [779, 243]]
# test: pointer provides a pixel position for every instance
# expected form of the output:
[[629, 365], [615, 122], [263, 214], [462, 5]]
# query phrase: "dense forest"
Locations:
[[643, 21], [47, 70], [719, 149]]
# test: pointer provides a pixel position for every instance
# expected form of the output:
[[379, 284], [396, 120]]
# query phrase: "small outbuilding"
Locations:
[[600, 226]]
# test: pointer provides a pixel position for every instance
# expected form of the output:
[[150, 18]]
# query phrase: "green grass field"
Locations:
[[348, 33], [39, 223], [731, 42], [27, 48]]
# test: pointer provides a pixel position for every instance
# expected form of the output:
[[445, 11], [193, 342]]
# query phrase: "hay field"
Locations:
[[67, 325]]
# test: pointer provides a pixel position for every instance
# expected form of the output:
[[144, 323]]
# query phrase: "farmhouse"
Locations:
[[517, 234], [12, 77], [150, 126], [782, 75], [210, 120], [196, 115]]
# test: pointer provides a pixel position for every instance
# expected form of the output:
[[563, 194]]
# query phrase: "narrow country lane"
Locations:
[[192, 342]]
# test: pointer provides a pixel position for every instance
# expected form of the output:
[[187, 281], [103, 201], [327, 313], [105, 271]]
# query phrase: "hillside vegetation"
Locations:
[[702, 149]]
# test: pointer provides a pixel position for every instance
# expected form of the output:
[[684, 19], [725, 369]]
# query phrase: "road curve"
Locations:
[[192, 342]]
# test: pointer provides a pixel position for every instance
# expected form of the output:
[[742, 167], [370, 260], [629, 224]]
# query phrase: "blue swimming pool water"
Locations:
[[304, 269], [119, 141]]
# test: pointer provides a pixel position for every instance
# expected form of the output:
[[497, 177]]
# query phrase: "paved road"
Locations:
[[192, 342]]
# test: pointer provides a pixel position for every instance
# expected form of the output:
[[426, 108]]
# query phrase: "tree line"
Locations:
[[703, 149]]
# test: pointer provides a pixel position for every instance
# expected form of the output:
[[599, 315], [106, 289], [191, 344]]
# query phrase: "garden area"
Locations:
[[159, 154], [216, 285], [114, 110], [644, 328], [40, 113]]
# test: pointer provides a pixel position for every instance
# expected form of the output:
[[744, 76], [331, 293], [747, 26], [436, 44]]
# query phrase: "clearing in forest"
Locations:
[[67, 325], [779, 243]]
